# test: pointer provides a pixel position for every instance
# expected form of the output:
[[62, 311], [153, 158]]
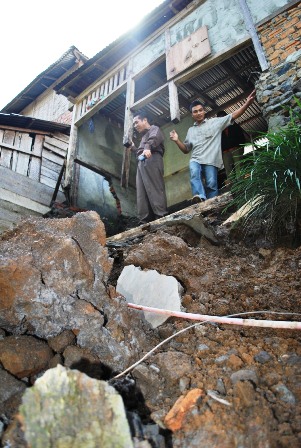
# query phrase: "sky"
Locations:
[[36, 33]]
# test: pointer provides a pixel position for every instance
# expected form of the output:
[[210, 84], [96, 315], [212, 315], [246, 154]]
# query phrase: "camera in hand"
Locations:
[[141, 157]]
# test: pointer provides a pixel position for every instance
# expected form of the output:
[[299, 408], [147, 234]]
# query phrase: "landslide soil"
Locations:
[[246, 380], [256, 370]]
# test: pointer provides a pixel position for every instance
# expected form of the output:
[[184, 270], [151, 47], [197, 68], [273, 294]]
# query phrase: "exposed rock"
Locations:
[[222, 279], [61, 341], [11, 391], [52, 275], [14, 352], [57, 359], [245, 391], [284, 394], [174, 418], [83, 360], [97, 418], [244, 375], [262, 357]]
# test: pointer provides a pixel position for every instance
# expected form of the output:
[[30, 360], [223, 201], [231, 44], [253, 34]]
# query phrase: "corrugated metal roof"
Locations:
[[23, 122], [94, 68], [223, 87], [44, 80]]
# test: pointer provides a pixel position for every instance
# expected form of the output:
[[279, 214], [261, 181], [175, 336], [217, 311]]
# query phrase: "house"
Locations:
[[184, 50], [39, 99], [34, 137]]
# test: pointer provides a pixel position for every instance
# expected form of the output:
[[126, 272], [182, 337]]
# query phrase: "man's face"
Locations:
[[140, 125], [198, 113]]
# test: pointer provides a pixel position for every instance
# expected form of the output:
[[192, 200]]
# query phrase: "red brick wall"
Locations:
[[281, 35]]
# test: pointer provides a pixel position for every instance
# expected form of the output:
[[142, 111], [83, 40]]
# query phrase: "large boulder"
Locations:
[[53, 282], [66, 408]]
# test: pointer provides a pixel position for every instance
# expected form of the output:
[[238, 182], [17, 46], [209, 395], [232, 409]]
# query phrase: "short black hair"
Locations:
[[195, 103], [141, 114]]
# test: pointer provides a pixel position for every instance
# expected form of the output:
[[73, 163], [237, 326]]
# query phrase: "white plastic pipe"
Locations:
[[222, 320]]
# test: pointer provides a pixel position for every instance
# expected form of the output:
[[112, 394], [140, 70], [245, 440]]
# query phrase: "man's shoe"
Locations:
[[196, 199]]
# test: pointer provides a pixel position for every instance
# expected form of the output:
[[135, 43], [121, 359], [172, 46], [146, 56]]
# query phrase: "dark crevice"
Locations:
[[105, 317]]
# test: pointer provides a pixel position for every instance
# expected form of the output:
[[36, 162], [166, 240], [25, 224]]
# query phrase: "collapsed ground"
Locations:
[[247, 380]]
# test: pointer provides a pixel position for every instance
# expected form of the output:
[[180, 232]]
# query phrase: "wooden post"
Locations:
[[252, 30], [174, 106], [128, 128], [174, 102], [71, 152]]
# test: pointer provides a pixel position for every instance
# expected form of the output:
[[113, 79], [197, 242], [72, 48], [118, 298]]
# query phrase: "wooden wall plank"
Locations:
[[187, 52], [62, 137], [25, 186], [52, 166], [55, 150], [25, 141], [45, 180], [57, 144], [22, 201], [35, 163], [51, 156], [6, 154], [49, 173]]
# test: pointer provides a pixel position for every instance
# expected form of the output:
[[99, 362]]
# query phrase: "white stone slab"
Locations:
[[152, 289]]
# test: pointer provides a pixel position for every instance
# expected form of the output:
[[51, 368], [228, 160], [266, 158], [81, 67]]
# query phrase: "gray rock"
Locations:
[[97, 418], [262, 357], [220, 386], [222, 359], [284, 394], [291, 359], [244, 375], [9, 387], [293, 57], [202, 347]]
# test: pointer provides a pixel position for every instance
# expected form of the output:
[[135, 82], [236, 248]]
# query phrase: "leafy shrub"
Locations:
[[270, 183]]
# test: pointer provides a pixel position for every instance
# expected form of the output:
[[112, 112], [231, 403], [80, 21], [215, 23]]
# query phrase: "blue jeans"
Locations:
[[209, 172]]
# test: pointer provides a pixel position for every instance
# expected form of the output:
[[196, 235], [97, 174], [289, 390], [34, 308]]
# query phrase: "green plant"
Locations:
[[269, 187]]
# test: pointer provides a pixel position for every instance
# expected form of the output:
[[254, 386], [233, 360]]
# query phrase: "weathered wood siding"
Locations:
[[39, 158], [29, 170], [49, 106]]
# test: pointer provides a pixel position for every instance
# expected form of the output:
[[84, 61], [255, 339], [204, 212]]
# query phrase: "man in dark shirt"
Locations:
[[151, 196], [233, 139]]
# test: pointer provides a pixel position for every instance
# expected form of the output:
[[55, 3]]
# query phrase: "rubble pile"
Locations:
[[211, 385]]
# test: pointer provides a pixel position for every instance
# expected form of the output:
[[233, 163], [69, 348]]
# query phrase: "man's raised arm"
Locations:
[[250, 99]]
